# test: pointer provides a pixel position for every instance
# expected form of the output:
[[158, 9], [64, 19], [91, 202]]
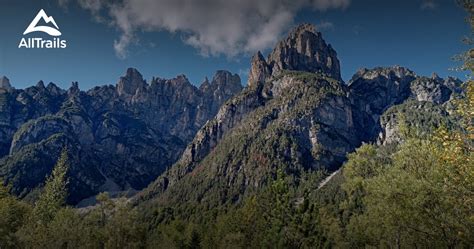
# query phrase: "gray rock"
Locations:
[[305, 50], [374, 91], [5, 83], [122, 136], [432, 90], [132, 81], [284, 98], [259, 70], [419, 117]]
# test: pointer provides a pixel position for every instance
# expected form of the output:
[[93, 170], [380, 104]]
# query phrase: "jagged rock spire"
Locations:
[[129, 83], [5, 83], [259, 69], [303, 49]]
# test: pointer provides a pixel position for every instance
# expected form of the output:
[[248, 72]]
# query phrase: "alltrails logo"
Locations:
[[37, 42]]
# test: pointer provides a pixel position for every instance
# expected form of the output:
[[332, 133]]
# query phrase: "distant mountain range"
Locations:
[[219, 142], [119, 137]]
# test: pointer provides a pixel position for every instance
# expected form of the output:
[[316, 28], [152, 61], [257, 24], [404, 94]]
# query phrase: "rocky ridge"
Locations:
[[374, 91], [119, 137], [295, 98], [296, 114]]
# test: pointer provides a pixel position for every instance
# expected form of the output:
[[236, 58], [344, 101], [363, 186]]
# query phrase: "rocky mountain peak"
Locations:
[[430, 89], [259, 70], [74, 89], [223, 85], [5, 83], [436, 77], [54, 89], [372, 91], [304, 50], [40, 84], [205, 83], [385, 72], [224, 78], [129, 83]]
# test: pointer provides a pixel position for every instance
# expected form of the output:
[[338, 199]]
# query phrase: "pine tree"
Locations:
[[54, 193]]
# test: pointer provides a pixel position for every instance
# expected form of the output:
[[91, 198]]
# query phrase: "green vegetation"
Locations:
[[415, 194], [420, 119]]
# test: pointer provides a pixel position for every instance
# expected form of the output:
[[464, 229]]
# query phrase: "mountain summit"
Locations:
[[5, 83], [131, 82], [304, 49], [295, 115]]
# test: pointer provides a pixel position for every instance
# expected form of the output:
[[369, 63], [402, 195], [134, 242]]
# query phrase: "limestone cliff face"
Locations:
[[304, 124], [295, 111], [131, 83], [374, 91], [120, 137], [304, 49], [5, 84]]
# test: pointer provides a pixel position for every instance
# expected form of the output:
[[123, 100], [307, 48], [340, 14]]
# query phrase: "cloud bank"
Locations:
[[213, 27]]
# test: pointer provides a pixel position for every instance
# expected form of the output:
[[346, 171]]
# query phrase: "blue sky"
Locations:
[[421, 35]]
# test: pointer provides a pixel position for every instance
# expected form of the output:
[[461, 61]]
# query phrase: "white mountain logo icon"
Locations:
[[48, 19]]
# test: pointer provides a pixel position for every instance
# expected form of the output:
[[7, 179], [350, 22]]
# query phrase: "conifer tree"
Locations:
[[54, 193]]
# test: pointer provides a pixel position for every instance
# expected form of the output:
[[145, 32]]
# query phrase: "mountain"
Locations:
[[217, 143], [373, 91], [119, 137], [296, 115]]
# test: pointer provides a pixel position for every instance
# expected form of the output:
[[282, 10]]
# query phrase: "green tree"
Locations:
[[13, 213], [38, 231], [123, 228], [54, 193]]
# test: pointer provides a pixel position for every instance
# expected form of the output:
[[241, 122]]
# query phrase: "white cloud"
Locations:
[[213, 27], [428, 5]]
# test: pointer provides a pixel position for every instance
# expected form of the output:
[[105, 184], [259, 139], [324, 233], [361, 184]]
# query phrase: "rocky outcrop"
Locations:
[[374, 91], [304, 49], [435, 89], [130, 83], [223, 86], [412, 117], [126, 135], [432, 90], [5, 84], [259, 70]]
